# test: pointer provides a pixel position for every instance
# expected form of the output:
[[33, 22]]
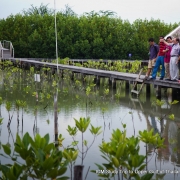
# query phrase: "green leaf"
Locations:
[[53, 173], [115, 162], [25, 140], [48, 163], [174, 102], [61, 171], [63, 178], [7, 149], [46, 137], [147, 176], [171, 116]]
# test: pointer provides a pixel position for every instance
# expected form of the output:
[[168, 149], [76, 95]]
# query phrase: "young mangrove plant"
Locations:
[[9, 108], [82, 125], [122, 157], [150, 139], [33, 158]]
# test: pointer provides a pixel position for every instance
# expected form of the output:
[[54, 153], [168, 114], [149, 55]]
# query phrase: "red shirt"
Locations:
[[162, 46], [167, 54]]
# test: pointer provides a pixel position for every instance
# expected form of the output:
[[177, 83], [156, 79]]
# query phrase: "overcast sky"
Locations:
[[165, 10]]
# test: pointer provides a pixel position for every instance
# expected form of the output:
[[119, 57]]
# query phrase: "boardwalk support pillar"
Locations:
[[127, 85], [83, 77], [72, 75], [53, 71], [148, 89], [97, 80], [158, 92], [62, 73], [112, 83]]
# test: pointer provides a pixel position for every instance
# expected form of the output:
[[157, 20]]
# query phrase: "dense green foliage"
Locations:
[[89, 36]]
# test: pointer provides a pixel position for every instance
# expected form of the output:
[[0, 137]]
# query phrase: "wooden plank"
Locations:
[[139, 80]]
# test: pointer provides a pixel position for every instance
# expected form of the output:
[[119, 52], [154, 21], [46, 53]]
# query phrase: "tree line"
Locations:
[[94, 35]]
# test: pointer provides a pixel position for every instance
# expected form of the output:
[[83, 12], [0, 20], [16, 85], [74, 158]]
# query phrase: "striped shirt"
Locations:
[[162, 46]]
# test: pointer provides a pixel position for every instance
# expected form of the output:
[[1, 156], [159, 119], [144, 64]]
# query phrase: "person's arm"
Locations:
[[169, 44]]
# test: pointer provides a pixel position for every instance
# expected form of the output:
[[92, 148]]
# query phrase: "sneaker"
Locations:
[[151, 79], [146, 77], [174, 80], [167, 79], [161, 78]]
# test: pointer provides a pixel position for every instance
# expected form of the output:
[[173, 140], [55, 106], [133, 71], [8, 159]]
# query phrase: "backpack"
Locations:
[[156, 47]]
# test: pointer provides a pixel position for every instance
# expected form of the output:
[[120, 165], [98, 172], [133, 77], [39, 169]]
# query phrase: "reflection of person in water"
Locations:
[[165, 151], [174, 142], [154, 124]]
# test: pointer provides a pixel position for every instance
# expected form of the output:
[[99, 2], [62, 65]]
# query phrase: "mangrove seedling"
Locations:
[[34, 158]]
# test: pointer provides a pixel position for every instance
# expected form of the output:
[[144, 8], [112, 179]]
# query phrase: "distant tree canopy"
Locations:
[[94, 35]]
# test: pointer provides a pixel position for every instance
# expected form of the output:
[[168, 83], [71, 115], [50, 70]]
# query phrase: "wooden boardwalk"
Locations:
[[100, 73]]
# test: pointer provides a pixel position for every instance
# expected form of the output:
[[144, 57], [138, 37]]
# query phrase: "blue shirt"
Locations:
[[153, 50]]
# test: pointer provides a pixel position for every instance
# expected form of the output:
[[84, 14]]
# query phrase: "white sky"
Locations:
[[165, 10]]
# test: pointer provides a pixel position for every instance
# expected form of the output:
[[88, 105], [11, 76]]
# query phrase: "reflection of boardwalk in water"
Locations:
[[168, 129]]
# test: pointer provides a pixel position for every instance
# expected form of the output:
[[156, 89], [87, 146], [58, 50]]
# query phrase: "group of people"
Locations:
[[167, 54]]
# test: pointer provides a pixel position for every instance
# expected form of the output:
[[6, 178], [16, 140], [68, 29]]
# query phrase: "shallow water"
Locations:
[[105, 111]]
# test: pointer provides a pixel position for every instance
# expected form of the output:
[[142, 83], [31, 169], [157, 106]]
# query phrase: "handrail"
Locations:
[[11, 49], [8, 45]]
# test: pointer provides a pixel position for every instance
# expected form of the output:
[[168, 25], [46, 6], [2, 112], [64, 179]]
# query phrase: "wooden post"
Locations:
[[83, 77], [97, 80], [56, 119], [53, 71], [78, 172], [158, 92], [148, 90], [112, 83], [175, 94], [72, 75], [126, 88], [62, 73], [127, 85]]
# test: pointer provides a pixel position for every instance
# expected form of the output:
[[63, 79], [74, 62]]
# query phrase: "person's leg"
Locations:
[[149, 69], [163, 69], [173, 68], [168, 71], [155, 69], [176, 69], [148, 72]]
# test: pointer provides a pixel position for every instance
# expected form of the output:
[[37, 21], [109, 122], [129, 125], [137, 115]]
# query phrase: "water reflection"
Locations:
[[108, 111]]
